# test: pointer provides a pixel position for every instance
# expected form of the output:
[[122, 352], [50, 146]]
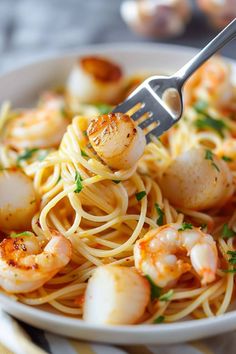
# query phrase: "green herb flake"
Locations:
[[227, 232], [83, 153], [227, 158], [232, 270], [78, 180], [185, 226], [208, 122], [42, 155], [116, 181], [232, 260], [160, 214], [167, 296], [104, 108], [85, 133], [209, 156], [203, 226], [155, 290], [140, 195], [200, 106], [27, 154], [25, 233], [159, 319]]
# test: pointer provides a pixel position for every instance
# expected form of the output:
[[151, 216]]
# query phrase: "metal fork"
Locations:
[[148, 102]]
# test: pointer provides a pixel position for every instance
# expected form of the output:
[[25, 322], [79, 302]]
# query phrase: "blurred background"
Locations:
[[30, 29]]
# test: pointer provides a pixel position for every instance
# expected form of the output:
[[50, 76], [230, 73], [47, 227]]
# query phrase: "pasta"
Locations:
[[103, 210]]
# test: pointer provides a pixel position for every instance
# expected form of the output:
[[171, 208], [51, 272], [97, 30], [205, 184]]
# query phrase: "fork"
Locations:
[[157, 103]]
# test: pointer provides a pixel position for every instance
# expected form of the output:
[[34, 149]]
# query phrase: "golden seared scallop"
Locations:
[[115, 295], [117, 140], [94, 79], [197, 179], [36, 128], [17, 200]]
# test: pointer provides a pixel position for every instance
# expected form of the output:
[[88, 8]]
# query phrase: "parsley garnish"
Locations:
[[78, 180], [25, 233], [203, 226], [227, 158], [155, 290], [232, 260], [160, 214], [159, 319], [27, 154], [185, 226], [209, 156], [104, 108], [200, 106], [83, 153], [42, 155], [140, 195], [206, 121], [167, 296], [116, 181], [85, 133], [227, 232]]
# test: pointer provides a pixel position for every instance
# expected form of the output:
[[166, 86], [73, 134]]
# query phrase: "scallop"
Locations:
[[17, 200], [93, 80], [115, 295], [197, 179], [117, 140]]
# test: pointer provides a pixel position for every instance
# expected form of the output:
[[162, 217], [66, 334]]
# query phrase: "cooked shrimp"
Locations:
[[158, 253], [17, 200], [93, 80], [116, 295], [25, 267], [210, 83], [117, 140], [38, 128], [197, 179]]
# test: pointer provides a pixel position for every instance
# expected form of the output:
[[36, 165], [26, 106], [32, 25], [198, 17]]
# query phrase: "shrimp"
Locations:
[[117, 140], [36, 128], [197, 179], [93, 80], [115, 295], [17, 200], [210, 83], [25, 267], [158, 254]]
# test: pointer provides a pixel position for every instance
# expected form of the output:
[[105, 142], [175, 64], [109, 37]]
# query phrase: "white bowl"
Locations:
[[21, 87]]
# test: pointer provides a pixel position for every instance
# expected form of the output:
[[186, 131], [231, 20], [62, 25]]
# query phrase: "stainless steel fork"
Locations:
[[157, 103]]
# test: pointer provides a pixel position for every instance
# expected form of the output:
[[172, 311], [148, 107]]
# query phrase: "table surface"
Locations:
[[32, 28]]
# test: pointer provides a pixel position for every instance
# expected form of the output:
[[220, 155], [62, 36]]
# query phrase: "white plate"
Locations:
[[21, 87]]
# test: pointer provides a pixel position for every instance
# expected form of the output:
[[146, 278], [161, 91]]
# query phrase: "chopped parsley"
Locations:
[[140, 195], [200, 106], [83, 153], [27, 154], [160, 214], [159, 319], [209, 156], [155, 290], [227, 232], [203, 226], [167, 296], [85, 133], [78, 180], [227, 158], [25, 233], [185, 226], [104, 108], [206, 121], [232, 261], [42, 155], [116, 181]]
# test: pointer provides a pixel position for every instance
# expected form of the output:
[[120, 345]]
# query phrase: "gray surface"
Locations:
[[35, 28]]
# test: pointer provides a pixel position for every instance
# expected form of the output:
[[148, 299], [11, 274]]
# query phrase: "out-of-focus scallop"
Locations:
[[156, 18], [197, 180], [17, 200], [94, 79]]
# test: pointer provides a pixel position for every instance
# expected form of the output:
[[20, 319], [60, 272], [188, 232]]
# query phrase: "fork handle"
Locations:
[[226, 35]]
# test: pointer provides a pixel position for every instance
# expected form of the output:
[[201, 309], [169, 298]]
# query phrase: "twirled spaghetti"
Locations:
[[105, 217]]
